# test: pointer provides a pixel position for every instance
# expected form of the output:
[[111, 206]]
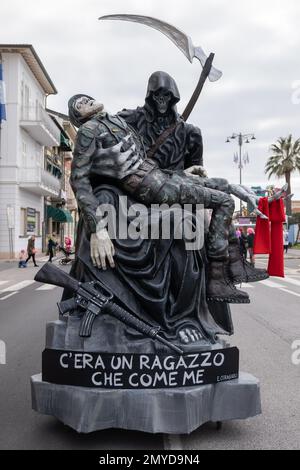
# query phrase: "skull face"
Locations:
[[162, 99]]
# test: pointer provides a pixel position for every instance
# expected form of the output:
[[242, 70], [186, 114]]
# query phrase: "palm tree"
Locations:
[[285, 159]]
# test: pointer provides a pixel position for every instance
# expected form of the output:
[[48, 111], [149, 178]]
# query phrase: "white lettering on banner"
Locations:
[[61, 361], [221, 360], [143, 370], [110, 378], [194, 376]]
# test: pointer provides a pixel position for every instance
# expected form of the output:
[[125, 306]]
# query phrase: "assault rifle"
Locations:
[[95, 299]]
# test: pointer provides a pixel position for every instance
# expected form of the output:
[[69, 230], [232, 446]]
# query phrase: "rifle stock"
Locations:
[[94, 301], [50, 274]]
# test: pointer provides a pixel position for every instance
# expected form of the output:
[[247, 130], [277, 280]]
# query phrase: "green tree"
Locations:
[[285, 159]]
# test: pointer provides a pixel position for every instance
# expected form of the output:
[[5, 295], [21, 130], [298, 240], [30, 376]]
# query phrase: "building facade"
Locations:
[[61, 211], [26, 181], [295, 206]]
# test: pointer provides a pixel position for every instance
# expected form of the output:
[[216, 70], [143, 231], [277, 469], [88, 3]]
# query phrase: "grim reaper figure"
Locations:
[[181, 147]]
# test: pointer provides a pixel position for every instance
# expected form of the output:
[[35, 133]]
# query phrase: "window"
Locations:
[[30, 222]]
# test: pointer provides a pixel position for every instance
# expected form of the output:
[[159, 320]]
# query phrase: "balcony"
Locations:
[[39, 125], [39, 181]]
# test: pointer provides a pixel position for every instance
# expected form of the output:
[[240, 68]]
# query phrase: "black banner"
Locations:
[[103, 370]]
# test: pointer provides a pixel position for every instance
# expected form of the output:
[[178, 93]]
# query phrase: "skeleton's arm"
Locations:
[[247, 195]]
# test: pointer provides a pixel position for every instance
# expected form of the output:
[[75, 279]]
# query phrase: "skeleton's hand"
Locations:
[[118, 160], [102, 249], [247, 195], [196, 170], [278, 194], [252, 200]]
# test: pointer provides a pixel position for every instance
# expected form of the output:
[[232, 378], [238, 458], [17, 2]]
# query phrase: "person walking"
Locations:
[[285, 240], [52, 243], [31, 251], [250, 243]]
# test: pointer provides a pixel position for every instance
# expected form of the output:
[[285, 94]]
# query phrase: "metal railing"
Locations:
[[39, 177]]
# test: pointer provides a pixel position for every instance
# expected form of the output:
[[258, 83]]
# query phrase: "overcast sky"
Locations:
[[256, 45]]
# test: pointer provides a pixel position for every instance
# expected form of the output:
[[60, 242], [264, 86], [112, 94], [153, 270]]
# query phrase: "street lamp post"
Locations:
[[238, 158]]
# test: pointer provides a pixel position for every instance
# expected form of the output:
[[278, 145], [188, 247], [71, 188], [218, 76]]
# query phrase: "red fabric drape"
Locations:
[[276, 258], [262, 239], [269, 235]]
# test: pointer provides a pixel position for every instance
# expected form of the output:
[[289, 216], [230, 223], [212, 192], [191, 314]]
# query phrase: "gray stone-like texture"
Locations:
[[170, 411]]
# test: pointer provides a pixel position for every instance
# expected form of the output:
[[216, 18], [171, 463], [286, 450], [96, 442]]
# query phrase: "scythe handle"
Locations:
[[204, 74]]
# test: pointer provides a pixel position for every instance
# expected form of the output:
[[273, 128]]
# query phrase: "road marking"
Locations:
[[8, 295], [46, 287], [290, 292], [3, 282], [18, 286], [268, 283], [292, 281], [245, 286]]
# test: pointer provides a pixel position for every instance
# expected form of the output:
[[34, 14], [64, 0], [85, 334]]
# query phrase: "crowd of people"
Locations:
[[52, 246], [246, 240]]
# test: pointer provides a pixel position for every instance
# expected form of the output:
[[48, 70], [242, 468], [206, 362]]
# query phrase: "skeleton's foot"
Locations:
[[220, 288], [189, 335], [241, 270]]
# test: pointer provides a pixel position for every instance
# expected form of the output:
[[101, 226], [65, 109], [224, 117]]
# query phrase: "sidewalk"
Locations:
[[13, 263]]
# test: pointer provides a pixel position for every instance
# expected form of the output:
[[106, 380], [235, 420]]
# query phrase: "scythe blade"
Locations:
[[179, 38]]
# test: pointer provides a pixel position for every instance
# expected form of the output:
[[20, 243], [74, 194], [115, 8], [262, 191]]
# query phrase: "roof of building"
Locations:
[[65, 117], [66, 120], [33, 61]]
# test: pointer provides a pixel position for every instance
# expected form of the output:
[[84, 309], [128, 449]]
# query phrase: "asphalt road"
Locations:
[[265, 330], [22, 326]]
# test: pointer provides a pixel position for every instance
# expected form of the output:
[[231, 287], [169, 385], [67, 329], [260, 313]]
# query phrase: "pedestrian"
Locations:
[[243, 244], [52, 243], [285, 240], [250, 244], [68, 245], [22, 259], [31, 251]]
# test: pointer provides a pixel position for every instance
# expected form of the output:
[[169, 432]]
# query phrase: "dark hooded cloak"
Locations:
[[183, 147]]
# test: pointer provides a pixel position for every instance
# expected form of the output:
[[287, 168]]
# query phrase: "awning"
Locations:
[[65, 143], [59, 215]]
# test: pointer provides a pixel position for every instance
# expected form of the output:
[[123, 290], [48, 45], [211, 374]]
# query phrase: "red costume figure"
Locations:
[[269, 235]]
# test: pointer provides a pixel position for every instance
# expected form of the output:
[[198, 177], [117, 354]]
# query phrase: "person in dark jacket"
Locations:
[[31, 251], [243, 244], [52, 243], [250, 243]]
